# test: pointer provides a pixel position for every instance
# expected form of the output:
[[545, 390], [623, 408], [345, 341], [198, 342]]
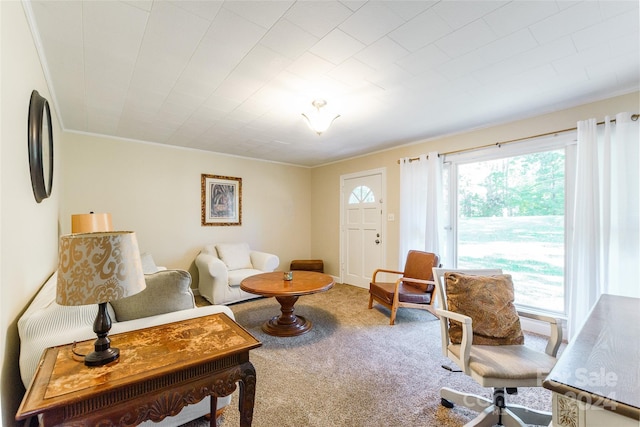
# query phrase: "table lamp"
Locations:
[[88, 223], [95, 268]]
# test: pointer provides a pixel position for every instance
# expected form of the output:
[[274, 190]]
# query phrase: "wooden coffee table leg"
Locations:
[[287, 324]]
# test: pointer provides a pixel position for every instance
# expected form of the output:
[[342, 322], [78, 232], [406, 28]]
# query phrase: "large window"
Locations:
[[507, 210]]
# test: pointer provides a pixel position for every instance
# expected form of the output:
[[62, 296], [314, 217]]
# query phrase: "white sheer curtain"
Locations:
[[420, 205], [604, 247]]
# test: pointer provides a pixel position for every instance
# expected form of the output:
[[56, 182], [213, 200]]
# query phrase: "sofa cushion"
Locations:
[[166, 291], [235, 255], [488, 300]]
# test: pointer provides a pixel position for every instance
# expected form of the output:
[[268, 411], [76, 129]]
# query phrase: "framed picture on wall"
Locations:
[[221, 200]]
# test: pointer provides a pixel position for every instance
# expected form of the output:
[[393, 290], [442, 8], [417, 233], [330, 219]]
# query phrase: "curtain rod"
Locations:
[[634, 117]]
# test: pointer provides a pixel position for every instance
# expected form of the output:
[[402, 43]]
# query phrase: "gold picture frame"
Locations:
[[221, 200]]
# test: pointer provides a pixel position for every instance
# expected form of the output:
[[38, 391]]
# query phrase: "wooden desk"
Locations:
[[160, 371], [595, 381]]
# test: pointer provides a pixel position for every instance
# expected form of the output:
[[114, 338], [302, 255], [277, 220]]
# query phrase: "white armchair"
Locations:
[[223, 266]]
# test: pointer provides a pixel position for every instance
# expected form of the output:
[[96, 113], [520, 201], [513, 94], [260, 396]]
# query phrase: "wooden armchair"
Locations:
[[413, 289]]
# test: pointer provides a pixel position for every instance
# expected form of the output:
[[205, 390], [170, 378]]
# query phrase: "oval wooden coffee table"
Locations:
[[287, 293]]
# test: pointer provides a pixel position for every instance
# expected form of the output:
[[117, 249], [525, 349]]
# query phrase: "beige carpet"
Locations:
[[353, 369]]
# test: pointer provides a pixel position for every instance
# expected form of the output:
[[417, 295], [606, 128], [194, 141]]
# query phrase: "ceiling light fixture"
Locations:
[[319, 120]]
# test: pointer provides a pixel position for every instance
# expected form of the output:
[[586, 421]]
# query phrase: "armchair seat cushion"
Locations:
[[411, 294], [237, 276]]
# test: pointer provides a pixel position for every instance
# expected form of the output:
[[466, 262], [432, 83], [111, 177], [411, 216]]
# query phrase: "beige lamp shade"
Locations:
[[91, 222], [98, 267]]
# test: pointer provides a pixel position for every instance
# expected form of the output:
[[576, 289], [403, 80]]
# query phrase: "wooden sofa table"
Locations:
[[161, 370]]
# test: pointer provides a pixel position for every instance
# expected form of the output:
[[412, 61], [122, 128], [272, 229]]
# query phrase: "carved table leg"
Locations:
[[213, 415], [287, 324], [247, 393]]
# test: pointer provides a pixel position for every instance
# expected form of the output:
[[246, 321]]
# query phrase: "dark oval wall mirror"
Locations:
[[40, 140]]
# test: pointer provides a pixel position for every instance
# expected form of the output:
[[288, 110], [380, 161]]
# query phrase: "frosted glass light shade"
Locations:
[[319, 120]]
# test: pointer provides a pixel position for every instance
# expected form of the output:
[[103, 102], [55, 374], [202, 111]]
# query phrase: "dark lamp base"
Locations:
[[103, 353], [99, 358]]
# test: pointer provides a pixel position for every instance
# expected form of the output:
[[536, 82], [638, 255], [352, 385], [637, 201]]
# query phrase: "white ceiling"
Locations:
[[235, 76]]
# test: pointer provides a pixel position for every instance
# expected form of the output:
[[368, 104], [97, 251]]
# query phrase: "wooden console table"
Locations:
[[595, 381], [161, 370]]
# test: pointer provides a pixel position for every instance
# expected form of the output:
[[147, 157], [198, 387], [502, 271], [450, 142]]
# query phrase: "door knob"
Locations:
[[377, 241]]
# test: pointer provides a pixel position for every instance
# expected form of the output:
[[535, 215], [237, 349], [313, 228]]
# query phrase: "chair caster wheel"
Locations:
[[447, 404]]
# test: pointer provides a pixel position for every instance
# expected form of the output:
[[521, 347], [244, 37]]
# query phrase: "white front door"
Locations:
[[361, 232]]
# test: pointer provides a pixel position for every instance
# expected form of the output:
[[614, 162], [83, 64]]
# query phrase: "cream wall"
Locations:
[[154, 190], [325, 180], [28, 230]]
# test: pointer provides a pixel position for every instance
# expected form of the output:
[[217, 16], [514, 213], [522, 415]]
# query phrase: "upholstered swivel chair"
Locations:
[[413, 289], [504, 365]]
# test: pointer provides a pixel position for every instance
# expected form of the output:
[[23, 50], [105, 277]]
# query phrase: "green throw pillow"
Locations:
[[166, 291]]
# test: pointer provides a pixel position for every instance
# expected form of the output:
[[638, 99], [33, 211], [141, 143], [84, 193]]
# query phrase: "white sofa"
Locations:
[[46, 324], [223, 266]]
